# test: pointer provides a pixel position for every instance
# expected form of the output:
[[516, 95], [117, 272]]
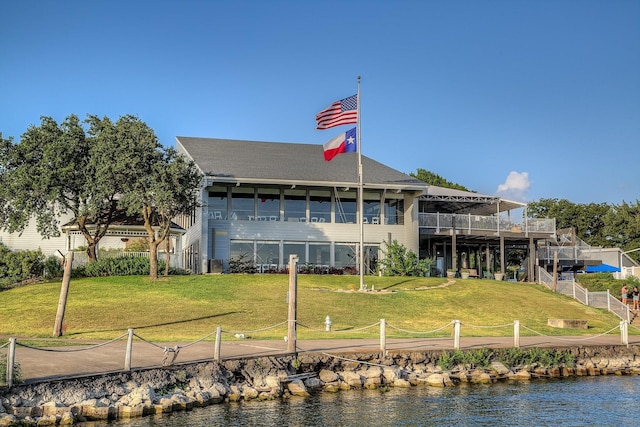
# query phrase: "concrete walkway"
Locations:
[[38, 365]]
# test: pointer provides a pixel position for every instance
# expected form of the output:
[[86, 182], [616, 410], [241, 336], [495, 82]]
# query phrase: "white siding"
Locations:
[[30, 239]]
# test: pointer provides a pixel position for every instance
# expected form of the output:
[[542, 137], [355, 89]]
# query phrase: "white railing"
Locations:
[[593, 299], [570, 252], [445, 221]]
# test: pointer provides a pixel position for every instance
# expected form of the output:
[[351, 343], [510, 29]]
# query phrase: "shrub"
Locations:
[[399, 261], [512, 357], [241, 264], [480, 358], [18, 266], [53, 268], [119, 266], [598, 282], [516, 357], [122, 266]]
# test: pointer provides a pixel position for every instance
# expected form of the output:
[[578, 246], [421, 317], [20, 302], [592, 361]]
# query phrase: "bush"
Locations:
[[510, 357], [480, 358], [600, 282], [16, 267], [398, 261], [516, 357], [119, 266], [53, 268], [241, 264], [122, 266]]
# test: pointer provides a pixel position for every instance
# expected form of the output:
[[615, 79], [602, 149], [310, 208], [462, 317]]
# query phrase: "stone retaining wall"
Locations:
[[179, 388]]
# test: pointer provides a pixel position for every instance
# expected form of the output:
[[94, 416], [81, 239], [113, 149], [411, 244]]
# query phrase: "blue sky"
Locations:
[[525, 99]]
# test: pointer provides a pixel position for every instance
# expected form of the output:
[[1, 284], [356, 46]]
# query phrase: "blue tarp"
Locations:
[[602, 268]]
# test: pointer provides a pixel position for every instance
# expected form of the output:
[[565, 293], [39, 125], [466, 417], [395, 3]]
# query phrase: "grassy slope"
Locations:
[[186, 308]]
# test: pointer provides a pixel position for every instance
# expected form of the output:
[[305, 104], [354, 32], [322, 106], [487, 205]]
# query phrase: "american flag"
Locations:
[[343, 112]]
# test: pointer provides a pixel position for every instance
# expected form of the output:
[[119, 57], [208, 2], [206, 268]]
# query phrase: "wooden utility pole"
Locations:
[[62, 302], [293, 291]]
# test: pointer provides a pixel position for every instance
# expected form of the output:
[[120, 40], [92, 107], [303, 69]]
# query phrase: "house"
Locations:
[[270, 200], [267, 200]]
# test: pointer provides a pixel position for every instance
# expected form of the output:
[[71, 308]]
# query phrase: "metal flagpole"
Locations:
[[363, 287]]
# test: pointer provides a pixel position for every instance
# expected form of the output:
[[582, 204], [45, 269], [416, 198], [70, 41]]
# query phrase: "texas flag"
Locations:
[[343, 143]]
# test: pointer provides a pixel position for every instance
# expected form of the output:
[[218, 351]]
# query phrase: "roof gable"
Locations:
[[257, 161]]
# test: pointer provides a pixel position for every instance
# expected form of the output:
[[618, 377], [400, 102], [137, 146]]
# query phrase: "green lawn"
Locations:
[[185, 308]]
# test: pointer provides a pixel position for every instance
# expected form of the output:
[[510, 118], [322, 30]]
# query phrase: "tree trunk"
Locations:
[[91, 250], [167, 255], [153, 259]]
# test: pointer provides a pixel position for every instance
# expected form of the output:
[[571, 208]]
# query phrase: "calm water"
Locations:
[[593, 401]]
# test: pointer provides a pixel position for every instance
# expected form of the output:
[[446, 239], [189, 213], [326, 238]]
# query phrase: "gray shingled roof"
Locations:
[[288, 162]]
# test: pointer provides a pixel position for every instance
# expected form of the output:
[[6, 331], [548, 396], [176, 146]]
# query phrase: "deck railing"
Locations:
[[570, 252], [445, 221]]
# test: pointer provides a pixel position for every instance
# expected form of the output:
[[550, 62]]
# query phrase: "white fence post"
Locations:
[[624, 333], [128, 355], [383, 337], [516, 333], [216, 350], [456, 334], [608, 301], [586, 296], [11, 357]]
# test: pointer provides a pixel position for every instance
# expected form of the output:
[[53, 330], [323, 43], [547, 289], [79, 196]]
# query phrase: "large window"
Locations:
[[294, 248], [295, 205], [218, 203], [320, 254], [242, 203], [268, 204], [371, 207], [268, 256], [242, 249], [319, 205], [346, 255], [394, 211], [346, 207]]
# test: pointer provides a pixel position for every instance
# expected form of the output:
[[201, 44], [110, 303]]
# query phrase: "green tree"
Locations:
[[435, 179], [167, 187], [59, 170], [588, 220], [622, 227]]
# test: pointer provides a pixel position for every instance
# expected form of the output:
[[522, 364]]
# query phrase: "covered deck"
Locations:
[[468, 230]]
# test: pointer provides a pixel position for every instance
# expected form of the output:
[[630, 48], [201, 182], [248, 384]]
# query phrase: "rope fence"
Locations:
[[170, 354]]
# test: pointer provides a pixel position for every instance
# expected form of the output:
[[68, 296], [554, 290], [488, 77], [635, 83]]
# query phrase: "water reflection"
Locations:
[[601, 401]]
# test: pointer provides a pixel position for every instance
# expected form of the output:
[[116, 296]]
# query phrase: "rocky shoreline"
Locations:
[[184, 387]]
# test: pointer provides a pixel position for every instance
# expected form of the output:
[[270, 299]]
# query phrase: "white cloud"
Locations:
[[516, 187]]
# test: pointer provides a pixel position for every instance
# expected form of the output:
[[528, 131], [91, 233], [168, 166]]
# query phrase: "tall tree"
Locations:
[[59, 170], [435, 179], [168, 187], [622, 227], [598, 224]]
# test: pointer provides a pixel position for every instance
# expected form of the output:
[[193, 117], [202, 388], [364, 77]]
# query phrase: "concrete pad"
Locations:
[[567, 323]]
